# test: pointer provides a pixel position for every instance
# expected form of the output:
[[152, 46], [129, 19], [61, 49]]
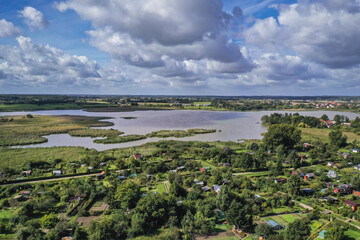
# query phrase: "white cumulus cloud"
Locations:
[[34, 18], [7, 29]]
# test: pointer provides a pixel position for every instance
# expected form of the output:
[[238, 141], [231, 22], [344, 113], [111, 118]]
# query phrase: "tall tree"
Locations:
[[337, 138], [297, 230], [293, 185], [282, 134], [239, 214]]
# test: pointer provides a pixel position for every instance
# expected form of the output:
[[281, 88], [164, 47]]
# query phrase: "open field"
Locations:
[[310, 134], [23, 130], [20, 158]]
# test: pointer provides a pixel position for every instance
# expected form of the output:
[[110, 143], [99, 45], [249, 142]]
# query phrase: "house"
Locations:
[[149, 176], [346, 155], [307, 145], [322, 234], [306, 191], [216, 188], [329, 184], [329, 123], [351, 204], [332, 174], [57, 172], [90, 168], [343, 189], [202, 170], [354, 150], [337, 166], [199, 183], [137, 157], [330, 164], [274, 225], [207, 168], [330, 199], [356, 193], [324, 190], [302, 156], [357, 167], [121, 177], [103, 164], [309, 176], [226, 165], [180, 168], [205, 189], [225, 181], [27, 173], [25, 193], [133, 175], [174, 171], [280, 180]]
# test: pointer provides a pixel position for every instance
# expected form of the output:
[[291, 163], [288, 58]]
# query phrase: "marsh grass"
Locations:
[[120, 139], [24, 130], [179, 133]]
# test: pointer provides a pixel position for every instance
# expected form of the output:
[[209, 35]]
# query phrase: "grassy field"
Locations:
[[120, 139], [309, 134], [23, 130], [19, 158]]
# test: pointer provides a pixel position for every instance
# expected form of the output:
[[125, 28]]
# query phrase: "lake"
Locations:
[[233, 125]]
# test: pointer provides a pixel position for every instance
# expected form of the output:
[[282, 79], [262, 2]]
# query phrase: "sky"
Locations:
[[180, 47]]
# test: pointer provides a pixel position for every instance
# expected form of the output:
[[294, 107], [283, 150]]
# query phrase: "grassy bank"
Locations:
[[23, 130], [120, 139]]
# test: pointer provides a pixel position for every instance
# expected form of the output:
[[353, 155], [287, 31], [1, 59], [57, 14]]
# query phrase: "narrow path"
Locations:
[[245, 173], [49, 180]]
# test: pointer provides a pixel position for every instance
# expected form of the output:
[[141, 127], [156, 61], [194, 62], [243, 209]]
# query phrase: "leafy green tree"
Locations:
[[80, 234], [239, 214], [294, 160], [293, 185], [337, 139], [282, 134], [187, 223], [334, 232], [324, 117], [49, 221], [224, 198], [297, 230], [263, 229], [126, 195]]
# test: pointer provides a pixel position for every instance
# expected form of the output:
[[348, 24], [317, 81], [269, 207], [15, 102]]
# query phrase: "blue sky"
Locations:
[[206, 47]]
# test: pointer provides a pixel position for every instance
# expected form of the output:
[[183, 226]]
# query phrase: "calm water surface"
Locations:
[[233, 125]]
